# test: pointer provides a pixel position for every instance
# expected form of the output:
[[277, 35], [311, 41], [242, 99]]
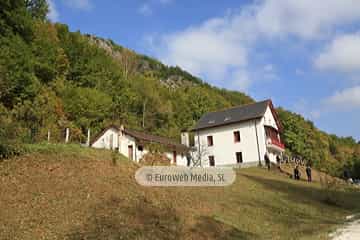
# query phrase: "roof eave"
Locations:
[[224, 124]]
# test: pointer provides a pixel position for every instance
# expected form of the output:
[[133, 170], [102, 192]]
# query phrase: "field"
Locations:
[[69, 192]]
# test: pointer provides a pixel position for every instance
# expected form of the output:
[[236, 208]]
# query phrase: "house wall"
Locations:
[[123, 141], [261, 138], [105, 140], [180, 158], [126, 141], [224, 148], [269, 119], [252, 145]]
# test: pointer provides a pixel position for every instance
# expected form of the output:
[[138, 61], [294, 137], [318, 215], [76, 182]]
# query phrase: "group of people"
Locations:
[[297, 173]]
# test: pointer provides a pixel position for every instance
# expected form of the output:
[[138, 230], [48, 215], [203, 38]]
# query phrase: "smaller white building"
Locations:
[[239, 136], [134, 144]]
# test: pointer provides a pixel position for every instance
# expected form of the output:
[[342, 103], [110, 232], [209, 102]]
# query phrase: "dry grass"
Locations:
[[67, 192], [317, 176]]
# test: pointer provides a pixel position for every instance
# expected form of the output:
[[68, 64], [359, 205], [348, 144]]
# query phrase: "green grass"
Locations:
[[70, 192], [53, 148]]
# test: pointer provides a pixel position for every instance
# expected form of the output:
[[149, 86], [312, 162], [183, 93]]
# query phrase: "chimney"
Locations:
[[185, 139]]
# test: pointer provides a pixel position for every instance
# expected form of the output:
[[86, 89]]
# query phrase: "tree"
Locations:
[[199, 153], [37, 8], [40, 115], [86, 107], [128, 62], [9, 134], [15, 19], [18, 80]]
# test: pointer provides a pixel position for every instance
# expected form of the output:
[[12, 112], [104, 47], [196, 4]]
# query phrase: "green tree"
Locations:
[[86, 107], [37, 8], [18, 80]]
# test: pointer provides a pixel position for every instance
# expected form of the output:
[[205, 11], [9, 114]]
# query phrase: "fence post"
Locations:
[[67, 135], [48, 136], [88, 138]]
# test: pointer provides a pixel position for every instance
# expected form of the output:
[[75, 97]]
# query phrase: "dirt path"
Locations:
[[350, 231]]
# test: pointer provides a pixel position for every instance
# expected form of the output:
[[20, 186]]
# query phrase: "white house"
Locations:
[[239, 136], [134, 144]]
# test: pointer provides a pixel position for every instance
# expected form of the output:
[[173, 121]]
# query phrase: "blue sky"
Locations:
[[303, 54]]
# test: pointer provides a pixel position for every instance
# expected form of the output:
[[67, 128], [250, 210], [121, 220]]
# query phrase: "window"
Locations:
[[211, 161], [237, 136], [210, 140], [239, 157], [140, 148]]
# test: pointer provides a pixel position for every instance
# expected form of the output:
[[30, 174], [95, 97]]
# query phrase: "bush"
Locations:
[[155, 159], [7, 150], [9, 145]]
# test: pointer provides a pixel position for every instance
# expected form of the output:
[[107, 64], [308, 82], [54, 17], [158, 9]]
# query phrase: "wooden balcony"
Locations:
[[273, 142], [273, 139]]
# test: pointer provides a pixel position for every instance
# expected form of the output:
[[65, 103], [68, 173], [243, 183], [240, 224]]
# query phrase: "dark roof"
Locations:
[[145, 137], [141, 136], [235, 115]]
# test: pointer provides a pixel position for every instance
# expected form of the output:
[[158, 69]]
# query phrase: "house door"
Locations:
[[174, 157], [130, 152]]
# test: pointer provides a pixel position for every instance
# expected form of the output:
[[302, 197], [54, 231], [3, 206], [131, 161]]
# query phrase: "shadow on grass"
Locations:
[[115, 219], [310, 214], [345, 200], [210, 228]]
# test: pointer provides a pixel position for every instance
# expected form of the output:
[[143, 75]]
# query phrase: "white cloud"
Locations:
[[211, 44], [53, 14], [145, 9], [346, 99], [304, 18], [79, 4], [239, 80], [342, 54], [211, 50], [221, 46]]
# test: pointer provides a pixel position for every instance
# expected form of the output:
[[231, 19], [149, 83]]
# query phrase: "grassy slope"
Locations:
[[68, 192]]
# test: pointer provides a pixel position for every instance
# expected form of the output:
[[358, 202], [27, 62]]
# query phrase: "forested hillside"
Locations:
[[51, 78]]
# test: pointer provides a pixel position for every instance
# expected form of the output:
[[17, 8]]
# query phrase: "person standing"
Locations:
[[346, 174], [308, 173], [278, 159], [267, 161], [296, 173]]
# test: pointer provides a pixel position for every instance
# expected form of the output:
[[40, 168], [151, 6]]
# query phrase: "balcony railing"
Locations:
[[276, 142]]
